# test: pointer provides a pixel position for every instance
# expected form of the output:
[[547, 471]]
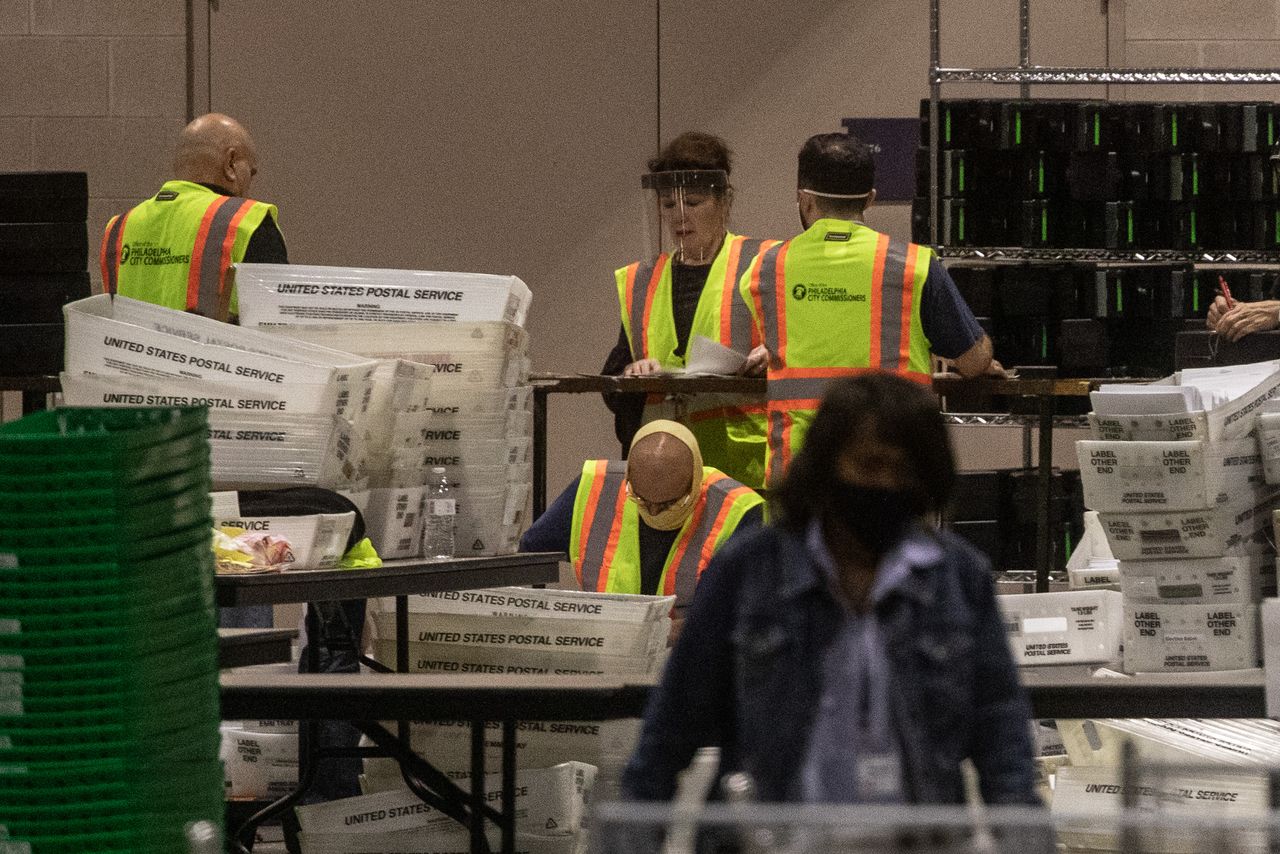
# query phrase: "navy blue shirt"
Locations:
[[947, 321], [551, 531]]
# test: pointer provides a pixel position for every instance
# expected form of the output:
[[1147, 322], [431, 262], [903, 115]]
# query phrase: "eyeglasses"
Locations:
[[656, 507]]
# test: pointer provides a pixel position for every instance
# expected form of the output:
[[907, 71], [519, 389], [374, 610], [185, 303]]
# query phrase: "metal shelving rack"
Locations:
[[1024, 76]]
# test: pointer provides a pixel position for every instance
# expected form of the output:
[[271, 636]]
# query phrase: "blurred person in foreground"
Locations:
[[848, 652]]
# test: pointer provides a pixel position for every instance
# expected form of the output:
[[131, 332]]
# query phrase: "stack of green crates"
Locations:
[[108, 639]]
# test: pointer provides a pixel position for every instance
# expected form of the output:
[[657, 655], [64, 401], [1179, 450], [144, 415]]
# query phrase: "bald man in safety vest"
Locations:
[[843, 298], [176, 248], [649, 524]]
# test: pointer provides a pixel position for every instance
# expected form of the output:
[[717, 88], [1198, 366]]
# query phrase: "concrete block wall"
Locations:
[[1189, 33], [93, 85]]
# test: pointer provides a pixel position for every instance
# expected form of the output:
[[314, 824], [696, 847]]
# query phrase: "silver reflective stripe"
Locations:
[[209, 301], [601, 524], [891, 287], [769, 296], [687, 571], [775, 462], [111, 267], [799, 388], [639, 298], [739, 315]]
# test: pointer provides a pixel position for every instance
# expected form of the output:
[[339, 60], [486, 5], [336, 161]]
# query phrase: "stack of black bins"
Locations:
[[44, 259]]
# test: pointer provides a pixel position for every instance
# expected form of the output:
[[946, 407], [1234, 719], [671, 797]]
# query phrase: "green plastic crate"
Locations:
[[65, 494], [136, 530], [121, 552], [56, 431]]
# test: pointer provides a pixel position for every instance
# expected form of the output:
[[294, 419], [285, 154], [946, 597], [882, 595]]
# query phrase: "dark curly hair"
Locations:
[[896, 411]]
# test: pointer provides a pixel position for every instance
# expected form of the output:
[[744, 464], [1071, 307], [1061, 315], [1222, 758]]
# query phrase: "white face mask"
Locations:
[[669, 518]]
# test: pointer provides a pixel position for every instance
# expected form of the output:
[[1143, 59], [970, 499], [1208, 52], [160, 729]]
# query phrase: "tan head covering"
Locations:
[[674, 516]]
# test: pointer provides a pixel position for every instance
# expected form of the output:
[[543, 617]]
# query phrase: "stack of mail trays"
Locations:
[[1176, 474], [458, 336]]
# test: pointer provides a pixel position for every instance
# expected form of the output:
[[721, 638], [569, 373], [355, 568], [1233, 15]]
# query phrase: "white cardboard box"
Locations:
[[317, 541], [563, 604], [531, 633], [1194, 533], [458, 658], [1072, 627], [259, 764], [1188, 638], [1087, 803], [1173, 741], [1170, 476], [551, 800], [1198, 580], [393, 521], [1231, 420], [273, 294]]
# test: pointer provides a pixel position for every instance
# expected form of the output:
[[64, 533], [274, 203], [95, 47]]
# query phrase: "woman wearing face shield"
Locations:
[[848, 652], [689, 289]]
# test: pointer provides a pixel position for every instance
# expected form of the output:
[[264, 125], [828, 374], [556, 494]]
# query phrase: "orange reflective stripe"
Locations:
[[877, 297], [780, 297], [709, 544], [224, 270], [811, 373], [197, 252], [615, 534], [908, 292], [730, 289], [112, 246], [589, 514], [763, 321], [650, 293]]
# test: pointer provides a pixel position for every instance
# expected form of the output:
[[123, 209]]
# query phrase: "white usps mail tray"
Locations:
[[317, 540], [393, 521], [1234, 419], [1188, 638], [116, 390], [1072, 627], [273, 294], [546, 799], [1190, 533], [1164, 476], [99, 344], [1198, 580]]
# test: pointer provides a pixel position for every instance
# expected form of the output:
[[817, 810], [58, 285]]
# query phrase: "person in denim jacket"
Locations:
[[848, 652]]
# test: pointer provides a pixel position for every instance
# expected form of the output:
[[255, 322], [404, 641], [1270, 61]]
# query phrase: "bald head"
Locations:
[[660, 468], [216, 149]]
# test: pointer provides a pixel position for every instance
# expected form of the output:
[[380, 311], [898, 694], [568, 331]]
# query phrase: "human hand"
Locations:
[[642, 368], [995, 369], [1248, 317], [1218, 308], [757, 362]]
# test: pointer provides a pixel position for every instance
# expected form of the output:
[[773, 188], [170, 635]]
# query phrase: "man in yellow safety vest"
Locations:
[[175, 249], [649, 524], [842, 298]]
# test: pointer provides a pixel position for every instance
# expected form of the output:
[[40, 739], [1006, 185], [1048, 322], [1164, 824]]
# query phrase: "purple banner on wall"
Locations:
[[894, 142]]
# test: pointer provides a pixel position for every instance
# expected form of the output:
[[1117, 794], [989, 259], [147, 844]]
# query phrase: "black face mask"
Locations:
[[878, 518]]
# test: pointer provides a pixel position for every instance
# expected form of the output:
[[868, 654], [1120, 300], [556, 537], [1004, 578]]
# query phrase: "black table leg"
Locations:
[[508, 787], [1044, 495], [539, 451], [479, 844]]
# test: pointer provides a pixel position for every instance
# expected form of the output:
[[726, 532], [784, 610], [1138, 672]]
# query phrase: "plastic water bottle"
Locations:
[[437, 523]]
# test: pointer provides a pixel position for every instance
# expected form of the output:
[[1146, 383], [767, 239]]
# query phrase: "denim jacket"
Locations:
[[746, 675]]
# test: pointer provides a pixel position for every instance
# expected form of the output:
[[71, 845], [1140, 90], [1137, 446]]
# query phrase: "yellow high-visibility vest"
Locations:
[[604, 545], [836, 300], [729, 428], [175, 248]]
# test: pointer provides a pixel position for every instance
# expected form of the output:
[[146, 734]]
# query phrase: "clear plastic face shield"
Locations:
[[686, 213]]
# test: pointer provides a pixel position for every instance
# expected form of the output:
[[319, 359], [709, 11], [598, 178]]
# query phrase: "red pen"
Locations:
[[1226, 292]]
